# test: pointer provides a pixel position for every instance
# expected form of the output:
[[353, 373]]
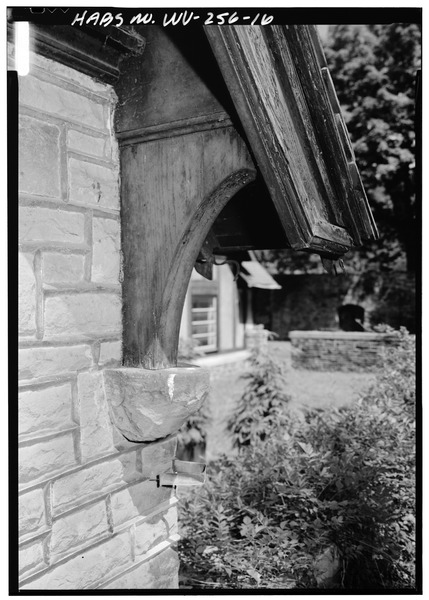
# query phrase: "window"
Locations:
[[204, 322]]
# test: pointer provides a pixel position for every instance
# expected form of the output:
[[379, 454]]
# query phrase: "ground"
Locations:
[[307, 389]]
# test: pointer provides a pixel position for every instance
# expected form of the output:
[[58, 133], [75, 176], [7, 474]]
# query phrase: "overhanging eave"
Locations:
[[282, 91]]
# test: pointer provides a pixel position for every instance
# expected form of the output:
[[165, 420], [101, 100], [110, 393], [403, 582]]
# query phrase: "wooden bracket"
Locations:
[[172, 191]]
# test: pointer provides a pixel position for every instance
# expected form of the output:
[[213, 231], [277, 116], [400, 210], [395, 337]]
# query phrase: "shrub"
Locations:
[[261, 408], [340, 477]]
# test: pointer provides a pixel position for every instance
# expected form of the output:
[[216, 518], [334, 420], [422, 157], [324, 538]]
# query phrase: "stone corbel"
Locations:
[[146, 404]]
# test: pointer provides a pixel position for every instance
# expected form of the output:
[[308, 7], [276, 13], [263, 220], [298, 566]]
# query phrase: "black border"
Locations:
[[309, 15], [12, 281]]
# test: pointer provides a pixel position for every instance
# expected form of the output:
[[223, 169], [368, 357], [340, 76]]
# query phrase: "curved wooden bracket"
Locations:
[[186, 255], [172, 191]]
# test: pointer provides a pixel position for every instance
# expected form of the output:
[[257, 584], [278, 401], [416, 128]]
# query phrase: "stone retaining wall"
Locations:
[[338, 350], [224, 364], [311, 302]]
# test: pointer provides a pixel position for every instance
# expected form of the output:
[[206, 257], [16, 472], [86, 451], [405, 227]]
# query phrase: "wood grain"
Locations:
[[172, 191]]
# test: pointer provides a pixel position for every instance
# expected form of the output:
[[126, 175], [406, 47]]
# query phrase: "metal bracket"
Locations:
[[182, 473]]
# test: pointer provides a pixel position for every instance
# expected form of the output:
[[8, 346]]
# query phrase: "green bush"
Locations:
[[342, 478], [261, 408]]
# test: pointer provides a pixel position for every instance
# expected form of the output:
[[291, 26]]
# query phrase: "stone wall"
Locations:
[[224, 364], [303, 302], [310, 302], [89, 516], [256, 337], [338, 350]]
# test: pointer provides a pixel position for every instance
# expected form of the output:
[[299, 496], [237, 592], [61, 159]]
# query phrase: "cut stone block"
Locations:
[[39, 158], [27, 294], [31, 558], [62, 268], [61, 103], [92, 183], [32, 514], [149, 404], [160, 572]]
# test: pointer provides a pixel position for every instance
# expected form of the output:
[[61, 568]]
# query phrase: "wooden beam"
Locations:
[[173, 89]]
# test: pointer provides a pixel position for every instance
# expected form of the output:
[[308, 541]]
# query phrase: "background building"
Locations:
[[218, 314]]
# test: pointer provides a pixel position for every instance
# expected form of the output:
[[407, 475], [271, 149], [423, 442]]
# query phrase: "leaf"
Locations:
[[254, 574], [210, 549], [308, 448]]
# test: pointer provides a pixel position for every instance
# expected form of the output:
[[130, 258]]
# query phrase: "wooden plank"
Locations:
[[174, 84], [333, 140], [313, 163], [204, 263]]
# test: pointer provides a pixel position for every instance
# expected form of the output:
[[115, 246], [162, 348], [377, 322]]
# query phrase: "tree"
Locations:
[[374, 71]]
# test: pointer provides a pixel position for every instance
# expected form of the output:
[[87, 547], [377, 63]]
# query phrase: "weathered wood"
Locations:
[[174, 128], [333, 139], [172, 191], [95, 51], [176, 84], [205, 259], [274, 77]]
